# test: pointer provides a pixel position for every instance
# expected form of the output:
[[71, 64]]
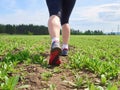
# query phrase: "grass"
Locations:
[[98, 57]]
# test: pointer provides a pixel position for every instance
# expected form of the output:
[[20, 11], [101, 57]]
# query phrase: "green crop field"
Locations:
[[93, 63]]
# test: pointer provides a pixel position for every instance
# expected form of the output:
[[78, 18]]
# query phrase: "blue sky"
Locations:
[[87, 14]]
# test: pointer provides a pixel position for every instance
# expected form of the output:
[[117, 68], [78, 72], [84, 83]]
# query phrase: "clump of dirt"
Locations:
[[1, 57], [32, 76]]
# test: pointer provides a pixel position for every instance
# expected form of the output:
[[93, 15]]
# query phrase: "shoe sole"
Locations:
[[64, 55], [56, 52]]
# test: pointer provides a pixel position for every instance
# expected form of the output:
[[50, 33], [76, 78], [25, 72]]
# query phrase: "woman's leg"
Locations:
[[67, 7], [54, 26], [54, 7]]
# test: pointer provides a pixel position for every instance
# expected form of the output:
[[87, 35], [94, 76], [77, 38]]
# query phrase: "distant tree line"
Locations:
[[88, 32], [24, 29], [39, 30]]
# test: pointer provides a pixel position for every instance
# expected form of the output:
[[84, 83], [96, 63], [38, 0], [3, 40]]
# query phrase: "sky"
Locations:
[[87, 14]]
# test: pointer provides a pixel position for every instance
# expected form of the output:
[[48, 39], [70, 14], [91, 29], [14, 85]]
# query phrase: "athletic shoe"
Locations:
[[65, 52], [54, 54]]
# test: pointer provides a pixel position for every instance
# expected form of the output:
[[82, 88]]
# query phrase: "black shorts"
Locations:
[[61, 8]]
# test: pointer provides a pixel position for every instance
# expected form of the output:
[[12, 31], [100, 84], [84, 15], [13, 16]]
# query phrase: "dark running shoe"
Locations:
[[65, 52], [54, 54]]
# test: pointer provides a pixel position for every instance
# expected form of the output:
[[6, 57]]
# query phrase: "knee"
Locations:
[[54, 19]]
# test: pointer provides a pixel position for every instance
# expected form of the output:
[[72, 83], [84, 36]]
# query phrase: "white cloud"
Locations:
[[110, 13], [19, 15], [104, 17], [101, 13], [23, 17]]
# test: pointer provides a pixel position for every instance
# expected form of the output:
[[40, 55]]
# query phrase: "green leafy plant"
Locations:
[[52, 87], [111, 87], [9, 83], [78, 81], [46, 75], [56, 70], [103, 80]]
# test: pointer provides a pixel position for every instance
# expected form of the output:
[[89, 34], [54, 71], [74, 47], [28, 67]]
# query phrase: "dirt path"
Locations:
[[57, 78], [31, 75]]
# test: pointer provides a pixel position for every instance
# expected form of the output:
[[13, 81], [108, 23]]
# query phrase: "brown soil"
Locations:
[[31, 75]]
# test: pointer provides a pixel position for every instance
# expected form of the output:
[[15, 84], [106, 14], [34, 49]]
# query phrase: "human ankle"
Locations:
[[65, 46], [54, 39]]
